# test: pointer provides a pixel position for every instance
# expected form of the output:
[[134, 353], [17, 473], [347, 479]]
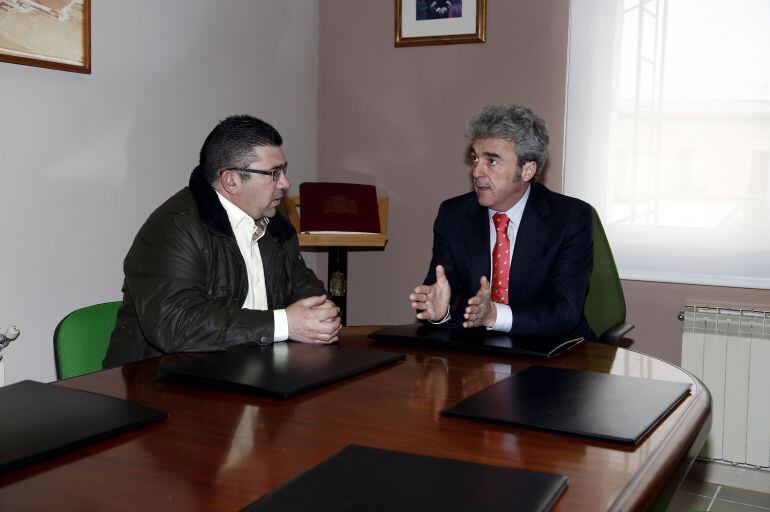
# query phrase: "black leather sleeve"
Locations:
[[181, 301]]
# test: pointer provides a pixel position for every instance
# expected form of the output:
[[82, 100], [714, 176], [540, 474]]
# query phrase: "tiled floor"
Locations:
[[694, 495]]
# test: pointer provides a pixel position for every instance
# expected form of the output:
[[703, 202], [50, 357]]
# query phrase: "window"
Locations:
[[668, 135]]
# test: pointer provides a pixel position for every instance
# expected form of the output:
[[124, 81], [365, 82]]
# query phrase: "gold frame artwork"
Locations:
[[54, 34], [439, 31]]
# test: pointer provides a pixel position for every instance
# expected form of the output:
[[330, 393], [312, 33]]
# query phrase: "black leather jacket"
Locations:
[[185, 280]]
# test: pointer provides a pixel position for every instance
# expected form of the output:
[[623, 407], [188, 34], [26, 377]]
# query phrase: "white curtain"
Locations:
[[668, 135]]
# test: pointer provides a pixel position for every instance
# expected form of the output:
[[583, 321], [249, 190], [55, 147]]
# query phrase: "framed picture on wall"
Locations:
[[52, 34], [429, 22]]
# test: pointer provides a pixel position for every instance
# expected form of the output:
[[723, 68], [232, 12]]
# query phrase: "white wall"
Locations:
[[85, 158]]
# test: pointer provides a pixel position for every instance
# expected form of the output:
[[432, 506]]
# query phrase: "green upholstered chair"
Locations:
[[605, 307], [80, 340]]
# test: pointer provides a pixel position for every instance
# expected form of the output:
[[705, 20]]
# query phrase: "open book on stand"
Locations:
[[338, 208]]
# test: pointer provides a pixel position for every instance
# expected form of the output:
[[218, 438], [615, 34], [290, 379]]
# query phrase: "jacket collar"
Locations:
[[537, 201], [214, 215], [528, 239], [531, 236], [539, 197]]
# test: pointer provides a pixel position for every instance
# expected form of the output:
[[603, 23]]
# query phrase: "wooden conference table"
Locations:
[[221, 450]]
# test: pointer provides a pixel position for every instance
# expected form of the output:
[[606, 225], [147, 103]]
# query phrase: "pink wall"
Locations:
[[395, 118], [653, 307]]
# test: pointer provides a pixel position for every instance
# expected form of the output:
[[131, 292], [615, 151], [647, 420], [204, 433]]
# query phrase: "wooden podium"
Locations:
[[338, 244]]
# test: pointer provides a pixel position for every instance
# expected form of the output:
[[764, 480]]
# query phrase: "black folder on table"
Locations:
[[283, 369], [476, 340], [598, 405], [39, 420], [371, 479]]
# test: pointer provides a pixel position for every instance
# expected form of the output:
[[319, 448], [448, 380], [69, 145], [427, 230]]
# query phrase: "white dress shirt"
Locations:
[[247, 234], [504, 320]]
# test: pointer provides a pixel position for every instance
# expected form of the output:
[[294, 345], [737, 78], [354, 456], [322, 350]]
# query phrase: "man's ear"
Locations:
[[228, 182], [528, 171]]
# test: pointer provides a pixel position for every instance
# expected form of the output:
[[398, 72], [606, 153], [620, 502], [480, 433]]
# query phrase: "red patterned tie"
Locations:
[[501, 259]]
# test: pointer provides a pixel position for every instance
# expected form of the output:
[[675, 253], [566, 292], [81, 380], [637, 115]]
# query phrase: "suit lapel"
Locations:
[[476, 238], [530, 237]]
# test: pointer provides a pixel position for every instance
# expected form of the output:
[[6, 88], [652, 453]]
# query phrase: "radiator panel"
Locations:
[[737, 397], [758, 428], [714, 354], [729, 350]]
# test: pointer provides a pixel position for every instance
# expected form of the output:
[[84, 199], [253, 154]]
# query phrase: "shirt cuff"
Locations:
[[504, 320], [445, 320], [281, 325]]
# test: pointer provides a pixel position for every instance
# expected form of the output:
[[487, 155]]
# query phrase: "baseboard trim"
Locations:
[[734, 476]]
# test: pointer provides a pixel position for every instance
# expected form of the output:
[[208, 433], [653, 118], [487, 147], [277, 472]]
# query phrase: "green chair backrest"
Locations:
[[81, 339], [605, 304]]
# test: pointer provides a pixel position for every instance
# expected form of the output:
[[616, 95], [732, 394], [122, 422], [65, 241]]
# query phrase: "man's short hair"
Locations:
[[231, 144], [517, 124]]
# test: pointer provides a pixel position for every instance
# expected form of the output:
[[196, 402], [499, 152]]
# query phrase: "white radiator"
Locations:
[[729, 350]]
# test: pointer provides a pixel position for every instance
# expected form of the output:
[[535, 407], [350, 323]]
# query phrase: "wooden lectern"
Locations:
[[338, 244]]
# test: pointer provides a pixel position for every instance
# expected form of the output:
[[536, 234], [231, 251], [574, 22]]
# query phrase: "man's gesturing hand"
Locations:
[[481, 311], [314, 320], [432, 301]]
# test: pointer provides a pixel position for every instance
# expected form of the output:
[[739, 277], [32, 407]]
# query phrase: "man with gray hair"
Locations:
[[511, 255]]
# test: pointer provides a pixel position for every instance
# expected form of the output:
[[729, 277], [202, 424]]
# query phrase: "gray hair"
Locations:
[[514, 123]]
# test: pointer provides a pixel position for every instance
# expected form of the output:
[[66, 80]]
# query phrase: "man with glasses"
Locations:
[[216, 265], [511, 255]]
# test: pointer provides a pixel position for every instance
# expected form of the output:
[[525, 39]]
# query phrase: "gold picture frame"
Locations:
[[434, 22], [54, 34]]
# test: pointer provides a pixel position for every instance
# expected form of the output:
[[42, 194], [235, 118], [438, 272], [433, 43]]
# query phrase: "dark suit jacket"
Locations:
[[551, 263]]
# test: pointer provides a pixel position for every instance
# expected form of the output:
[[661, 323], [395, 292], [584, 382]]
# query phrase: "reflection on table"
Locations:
[[221, 450]]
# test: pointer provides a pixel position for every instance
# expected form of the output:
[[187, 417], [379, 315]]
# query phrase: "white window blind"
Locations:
[[668, 135]]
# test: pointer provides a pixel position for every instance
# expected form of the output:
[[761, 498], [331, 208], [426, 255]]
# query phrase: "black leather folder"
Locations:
[[597, 405], [282, 369], [371, 479], [476, 340], [39, 420]]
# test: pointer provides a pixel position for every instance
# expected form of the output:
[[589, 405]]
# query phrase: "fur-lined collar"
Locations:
[[215, 217]]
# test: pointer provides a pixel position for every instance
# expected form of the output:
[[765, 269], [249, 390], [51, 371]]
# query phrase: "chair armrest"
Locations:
[[613, 335]]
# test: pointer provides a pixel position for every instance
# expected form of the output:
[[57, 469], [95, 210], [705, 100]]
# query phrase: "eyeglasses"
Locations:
[[275, 173]]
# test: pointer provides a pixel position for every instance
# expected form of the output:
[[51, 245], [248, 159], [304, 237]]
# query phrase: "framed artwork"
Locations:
[[429, 22], [52, 34]]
